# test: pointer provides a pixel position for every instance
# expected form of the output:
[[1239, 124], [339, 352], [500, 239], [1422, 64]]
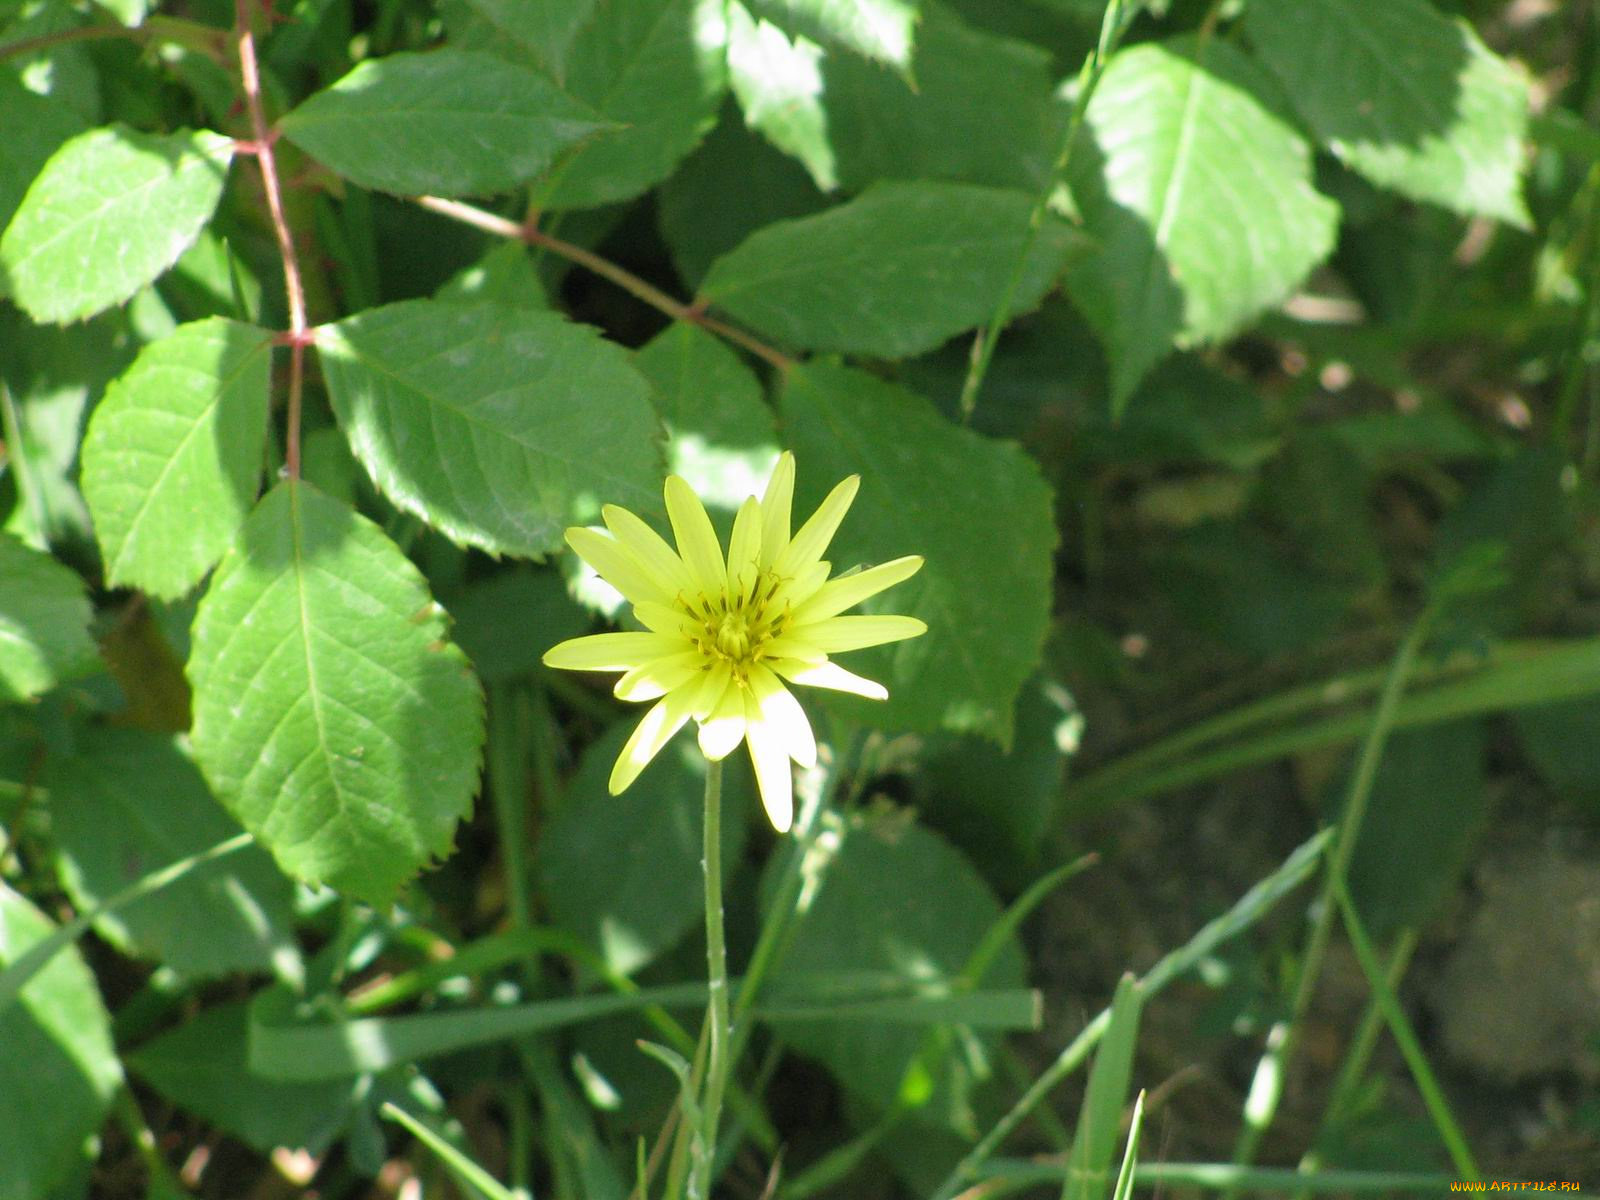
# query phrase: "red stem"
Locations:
[[629, 282], [250, 74]]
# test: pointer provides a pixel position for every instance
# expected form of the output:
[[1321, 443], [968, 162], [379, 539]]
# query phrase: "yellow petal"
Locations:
[[838, 634], [665, 619], [648, 546], [849, 590], [797, 589], [718, 680], [610, 651], [782, 714], [830, 675], [654, 732], [697, 540], [773, 776], [790, 646], [775, 505], [808, 545], [744, 547], [724, 727], [616, 565], [659, 676]]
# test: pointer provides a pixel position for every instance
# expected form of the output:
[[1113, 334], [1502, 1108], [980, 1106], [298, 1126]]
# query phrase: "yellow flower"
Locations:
[[724, 633]]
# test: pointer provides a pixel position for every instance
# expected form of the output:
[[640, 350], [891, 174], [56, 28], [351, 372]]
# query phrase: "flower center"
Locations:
[[736, 627], [733, 635]]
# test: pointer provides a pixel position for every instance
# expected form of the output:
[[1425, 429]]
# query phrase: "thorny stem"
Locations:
[[262, 147], [626, 280]]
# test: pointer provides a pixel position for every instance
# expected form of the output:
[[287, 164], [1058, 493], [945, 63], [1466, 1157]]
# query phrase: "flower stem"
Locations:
[[705, 1149]]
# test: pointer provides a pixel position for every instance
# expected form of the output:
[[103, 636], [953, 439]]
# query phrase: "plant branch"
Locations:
[[504, 227], [250, 75]]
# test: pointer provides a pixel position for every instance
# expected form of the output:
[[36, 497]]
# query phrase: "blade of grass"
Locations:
[[1266, 1089], [1249, 909], [1004, 1176], [16, 976], [1517, 675], [1130, 1154], [468, 1173], [1405, 1037], [1095, 1142]]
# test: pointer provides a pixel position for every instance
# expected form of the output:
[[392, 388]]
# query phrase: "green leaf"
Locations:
[[44, 622], [203, 1067], [59, 1070], [1409, 98], [880, 29], [498, 426], [963, 775], [901, 903], [778, 83], [1199, 193], [542, 28], [111, 211], [987, 611], [1094, 1143], [1430, 796], [505, 275], [331, 715], [623, 872], [654, 67], [892, 273], [720, 435], [35, 126], [174, 454], [507, 622], [1558, 740], [125, 803], [727, 189], [449, 122], [977, 108]]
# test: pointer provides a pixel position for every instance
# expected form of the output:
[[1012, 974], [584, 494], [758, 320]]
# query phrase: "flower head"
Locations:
[[724, 632]]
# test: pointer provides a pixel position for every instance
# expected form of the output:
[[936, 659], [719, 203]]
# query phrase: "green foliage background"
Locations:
[[1233, 364]]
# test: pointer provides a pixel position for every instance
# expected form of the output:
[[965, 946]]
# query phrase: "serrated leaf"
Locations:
[[654, 67], [977, 108], [985, 589], [125, 803], [448, 122], [331, 715], [1409, 98], [892, 273], [623, 872], [900, 901], [174, 453], [880, 29], [778, 83], [544, 28], [111, 211], [35, 126], [203, 1067], [1199, 194], [498, 426], [720, 435], [44, 622], [59, 1070], [727, 189]]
